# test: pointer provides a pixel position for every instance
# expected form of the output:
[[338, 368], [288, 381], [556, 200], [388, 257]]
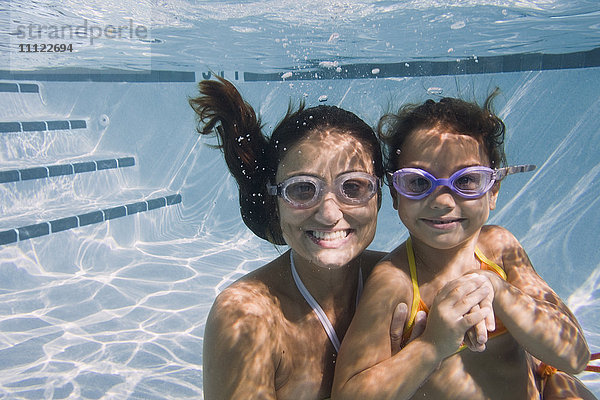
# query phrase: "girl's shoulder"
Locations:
[[392, 270], [496, 243]]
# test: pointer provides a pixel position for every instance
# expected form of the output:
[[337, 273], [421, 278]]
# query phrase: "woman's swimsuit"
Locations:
[[419, 305], [333, 337]]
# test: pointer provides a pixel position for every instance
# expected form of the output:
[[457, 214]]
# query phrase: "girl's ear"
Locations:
[[494, 195]]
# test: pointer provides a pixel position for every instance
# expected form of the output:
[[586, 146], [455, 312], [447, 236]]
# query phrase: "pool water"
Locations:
[[105, 288]]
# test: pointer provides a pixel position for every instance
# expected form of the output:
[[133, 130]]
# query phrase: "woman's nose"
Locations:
[[328, 211]]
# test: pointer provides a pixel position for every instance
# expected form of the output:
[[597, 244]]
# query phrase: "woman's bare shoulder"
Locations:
[[255, 294]]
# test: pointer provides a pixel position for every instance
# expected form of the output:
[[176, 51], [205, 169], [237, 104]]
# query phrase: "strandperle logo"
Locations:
[[85, 30]]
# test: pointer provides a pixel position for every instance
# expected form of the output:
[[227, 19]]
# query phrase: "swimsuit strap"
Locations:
[[415, 284], [593, 368], [317, 308], [495, 267]]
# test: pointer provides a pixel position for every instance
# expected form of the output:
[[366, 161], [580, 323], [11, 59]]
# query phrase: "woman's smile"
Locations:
[[330, 233]]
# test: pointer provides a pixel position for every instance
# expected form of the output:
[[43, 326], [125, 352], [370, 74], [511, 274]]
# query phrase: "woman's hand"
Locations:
[[399, 320]]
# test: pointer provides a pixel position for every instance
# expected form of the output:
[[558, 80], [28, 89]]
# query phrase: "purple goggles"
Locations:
[[469, 183]]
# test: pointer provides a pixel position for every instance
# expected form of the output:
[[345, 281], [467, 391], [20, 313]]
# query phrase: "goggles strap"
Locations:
[[501, 173]]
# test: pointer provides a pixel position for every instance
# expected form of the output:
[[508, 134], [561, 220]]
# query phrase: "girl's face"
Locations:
[[329, 234], [443, 219]]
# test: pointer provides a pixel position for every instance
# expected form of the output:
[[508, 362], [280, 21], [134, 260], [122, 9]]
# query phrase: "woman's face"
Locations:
[[330, 234], [443, 219]]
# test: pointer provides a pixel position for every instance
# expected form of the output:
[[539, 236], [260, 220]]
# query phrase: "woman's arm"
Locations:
[[366, 367], [531, 311], [239, 355]]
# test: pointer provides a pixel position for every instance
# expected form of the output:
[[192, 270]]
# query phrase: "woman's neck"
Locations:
[[333, 288]]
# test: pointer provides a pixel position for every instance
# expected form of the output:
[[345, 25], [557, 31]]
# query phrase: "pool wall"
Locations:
[[116, 308]]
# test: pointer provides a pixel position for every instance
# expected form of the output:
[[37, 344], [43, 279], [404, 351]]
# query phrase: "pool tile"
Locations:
[[32, 231], [126, 162], [173, 199], [29, 88], [9, 176], [33, 126], [156, 203], [9, 87], [58, 125], [60, 170], [136, 207], [115, 212], [10, 127], [63, 224], [106, 164], [33, 173], [78, 124], [84, 167], [9, 236], [91, 218]]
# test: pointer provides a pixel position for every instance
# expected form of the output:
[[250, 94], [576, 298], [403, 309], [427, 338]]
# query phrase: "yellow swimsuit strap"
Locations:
[[415, 284], [481, 257]]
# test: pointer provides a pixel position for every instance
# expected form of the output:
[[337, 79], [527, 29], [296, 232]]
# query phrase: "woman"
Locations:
[[275, 332]]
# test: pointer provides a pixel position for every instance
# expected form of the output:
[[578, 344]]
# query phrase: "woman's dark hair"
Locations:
[[457, 115], [253, 158]]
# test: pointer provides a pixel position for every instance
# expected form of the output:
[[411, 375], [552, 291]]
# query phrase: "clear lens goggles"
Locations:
[[469, 183], [306, 191]]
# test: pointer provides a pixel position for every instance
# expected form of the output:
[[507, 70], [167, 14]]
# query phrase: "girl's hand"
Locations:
[[456, 308], [476, 337]]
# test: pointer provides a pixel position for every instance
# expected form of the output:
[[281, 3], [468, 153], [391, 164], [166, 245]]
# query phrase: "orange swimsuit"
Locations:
[[419, 305]]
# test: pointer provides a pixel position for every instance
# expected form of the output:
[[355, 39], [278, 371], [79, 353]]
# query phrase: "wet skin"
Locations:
[[262, 340], [445, 229]]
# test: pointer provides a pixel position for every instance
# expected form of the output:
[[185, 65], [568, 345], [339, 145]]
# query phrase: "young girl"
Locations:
[[448, 160]]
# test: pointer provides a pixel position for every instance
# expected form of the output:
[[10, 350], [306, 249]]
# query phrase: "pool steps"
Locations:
[[93, 217], [19, 87], [21, 221], [15, 175], [41, 126]]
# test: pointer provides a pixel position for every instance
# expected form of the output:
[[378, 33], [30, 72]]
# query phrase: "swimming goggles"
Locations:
[[305, 191], [469, 183]]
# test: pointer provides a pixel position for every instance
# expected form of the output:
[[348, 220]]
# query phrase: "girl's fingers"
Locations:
[[469, 299], [419, 326], [473, 318]]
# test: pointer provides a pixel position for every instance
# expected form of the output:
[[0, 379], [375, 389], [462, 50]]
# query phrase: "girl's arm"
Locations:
[[239, 348], [531, 311], [366, 368]]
